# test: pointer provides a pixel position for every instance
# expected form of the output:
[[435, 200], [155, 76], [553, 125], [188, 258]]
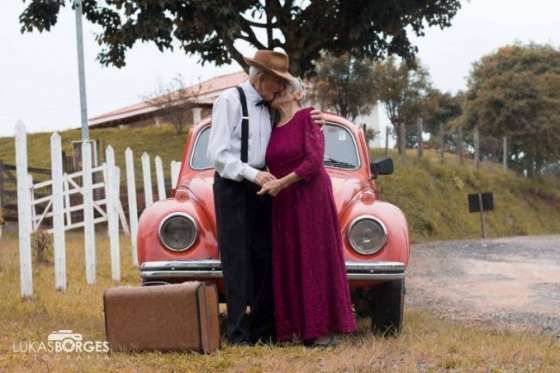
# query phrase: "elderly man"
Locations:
[[241, 128]]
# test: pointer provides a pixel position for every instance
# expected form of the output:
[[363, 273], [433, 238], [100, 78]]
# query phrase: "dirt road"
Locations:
[[512, 282]]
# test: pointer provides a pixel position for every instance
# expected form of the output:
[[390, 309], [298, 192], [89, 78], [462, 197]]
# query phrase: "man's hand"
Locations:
[[318, 117], [264, 177], [272, 187]]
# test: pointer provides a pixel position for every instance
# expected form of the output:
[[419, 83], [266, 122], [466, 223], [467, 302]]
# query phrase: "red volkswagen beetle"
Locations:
[[177, 236]]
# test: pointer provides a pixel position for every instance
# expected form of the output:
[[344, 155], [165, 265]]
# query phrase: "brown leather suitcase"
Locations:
[[175, 317]]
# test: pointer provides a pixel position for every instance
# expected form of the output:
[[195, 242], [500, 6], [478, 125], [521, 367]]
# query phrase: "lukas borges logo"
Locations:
[[66, 338], [63, 340]]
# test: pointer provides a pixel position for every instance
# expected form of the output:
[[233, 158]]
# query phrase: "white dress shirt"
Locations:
[[224, 144]]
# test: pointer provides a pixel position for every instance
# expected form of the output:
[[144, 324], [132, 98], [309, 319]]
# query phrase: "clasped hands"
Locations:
[[269, 184]]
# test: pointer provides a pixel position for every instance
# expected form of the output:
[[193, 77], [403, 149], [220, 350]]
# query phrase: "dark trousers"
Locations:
[[245, 243]]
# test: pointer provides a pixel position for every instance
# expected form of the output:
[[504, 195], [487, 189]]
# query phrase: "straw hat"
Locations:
[[271, 62]]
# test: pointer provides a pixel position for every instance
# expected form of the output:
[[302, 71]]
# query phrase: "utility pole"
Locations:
[[81, 71]]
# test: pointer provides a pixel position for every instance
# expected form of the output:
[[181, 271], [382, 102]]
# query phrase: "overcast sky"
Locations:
[[39, 79]]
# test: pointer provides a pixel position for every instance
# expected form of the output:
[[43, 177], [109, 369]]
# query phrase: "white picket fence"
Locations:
[[58, 206]]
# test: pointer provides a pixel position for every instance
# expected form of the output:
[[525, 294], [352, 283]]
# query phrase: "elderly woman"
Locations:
[[311, 293]]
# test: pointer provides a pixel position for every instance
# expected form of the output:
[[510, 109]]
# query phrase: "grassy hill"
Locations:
[[160, 141], [434, 198], [432, 195]]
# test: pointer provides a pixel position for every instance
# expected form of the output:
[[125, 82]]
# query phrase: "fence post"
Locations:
[[89, 227], [31, 200], [505, 153], [1, 192], [420, 140], [387, 132], [175, 170], [402, 144], [58, 213], [132, 209], [476, 135], [442, 145], [147, 176], [24, 212], [112, 218], [460, 145], [120, 209], [66, 192], [160, 179]]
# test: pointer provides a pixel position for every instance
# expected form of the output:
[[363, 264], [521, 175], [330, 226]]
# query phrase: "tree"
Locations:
[[174, 102], [440, 114], [515, 92], [344, 85], [402, 87], [215, 29]]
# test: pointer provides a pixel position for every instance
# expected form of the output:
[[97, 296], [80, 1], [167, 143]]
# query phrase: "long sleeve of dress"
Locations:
[[314, 149]]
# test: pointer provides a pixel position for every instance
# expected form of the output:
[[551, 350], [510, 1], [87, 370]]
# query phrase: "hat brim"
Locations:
[[278, 74]]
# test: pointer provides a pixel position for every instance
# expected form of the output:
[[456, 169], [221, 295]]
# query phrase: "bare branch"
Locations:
[[251, 36], [174, 102], [235, 54]]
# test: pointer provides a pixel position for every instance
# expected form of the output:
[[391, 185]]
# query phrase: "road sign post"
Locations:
[[481, 202]]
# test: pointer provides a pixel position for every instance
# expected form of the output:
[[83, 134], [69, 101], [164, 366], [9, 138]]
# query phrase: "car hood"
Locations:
[[344, 189]]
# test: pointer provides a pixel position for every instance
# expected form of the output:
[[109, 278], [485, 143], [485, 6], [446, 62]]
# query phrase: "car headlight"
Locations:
[[178, 231], [367, 235]]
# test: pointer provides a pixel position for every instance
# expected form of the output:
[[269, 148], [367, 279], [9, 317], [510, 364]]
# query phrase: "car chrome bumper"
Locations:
[[212, 269]]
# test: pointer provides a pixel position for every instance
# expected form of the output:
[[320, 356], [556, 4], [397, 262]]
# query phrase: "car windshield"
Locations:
[[340, 149]]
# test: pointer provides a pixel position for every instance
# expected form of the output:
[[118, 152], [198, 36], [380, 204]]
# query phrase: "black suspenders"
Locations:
[[244, 126]]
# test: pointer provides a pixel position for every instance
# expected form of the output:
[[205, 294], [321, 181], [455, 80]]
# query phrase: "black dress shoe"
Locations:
[[268, 340], [240, 343]]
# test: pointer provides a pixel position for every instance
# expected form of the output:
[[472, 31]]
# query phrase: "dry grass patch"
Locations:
[[426, 344]]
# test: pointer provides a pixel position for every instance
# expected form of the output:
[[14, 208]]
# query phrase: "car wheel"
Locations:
[[387, 307]]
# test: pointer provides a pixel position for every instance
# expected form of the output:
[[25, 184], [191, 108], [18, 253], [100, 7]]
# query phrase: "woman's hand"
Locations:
[[272, 187], [318, 117]]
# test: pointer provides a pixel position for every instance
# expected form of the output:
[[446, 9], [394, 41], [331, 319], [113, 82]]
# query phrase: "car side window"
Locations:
[[199, 159], [340, 147]]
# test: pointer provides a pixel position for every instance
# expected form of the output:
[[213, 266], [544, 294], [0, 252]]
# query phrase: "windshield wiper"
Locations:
[[334, 162]]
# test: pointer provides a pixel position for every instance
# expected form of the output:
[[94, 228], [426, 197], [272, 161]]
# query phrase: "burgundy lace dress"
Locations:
[[311, 292]]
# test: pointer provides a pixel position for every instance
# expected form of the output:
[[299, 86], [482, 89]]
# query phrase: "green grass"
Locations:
[[432, 195], [427, 343]]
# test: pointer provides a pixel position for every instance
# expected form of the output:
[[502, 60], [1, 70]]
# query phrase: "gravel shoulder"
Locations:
[[512, 282]]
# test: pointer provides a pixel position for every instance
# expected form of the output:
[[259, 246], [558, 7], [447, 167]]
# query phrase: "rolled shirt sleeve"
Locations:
[[225, 114]]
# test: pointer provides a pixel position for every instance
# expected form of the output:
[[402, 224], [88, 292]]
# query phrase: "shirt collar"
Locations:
[[252, 95]]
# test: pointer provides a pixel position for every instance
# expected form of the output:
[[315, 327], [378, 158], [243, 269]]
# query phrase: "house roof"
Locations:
[[207, 92]]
